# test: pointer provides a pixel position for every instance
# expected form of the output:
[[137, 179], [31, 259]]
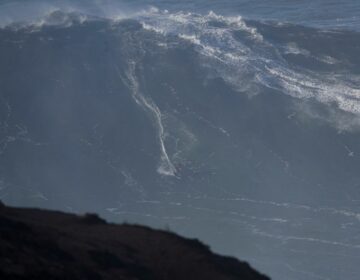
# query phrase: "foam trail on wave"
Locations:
[[166, 167]]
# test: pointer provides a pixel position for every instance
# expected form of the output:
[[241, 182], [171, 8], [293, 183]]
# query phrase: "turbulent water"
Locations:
[[236, 122]]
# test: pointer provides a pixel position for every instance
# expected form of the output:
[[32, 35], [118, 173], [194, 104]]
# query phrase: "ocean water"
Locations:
[[235, 122]]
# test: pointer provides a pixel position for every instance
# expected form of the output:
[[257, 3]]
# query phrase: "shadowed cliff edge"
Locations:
[[42, 244]]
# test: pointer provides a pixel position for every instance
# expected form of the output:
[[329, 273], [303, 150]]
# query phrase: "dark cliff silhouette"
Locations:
[[42, 244]]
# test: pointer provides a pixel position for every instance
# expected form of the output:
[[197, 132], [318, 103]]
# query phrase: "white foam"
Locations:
[[47, 15], [325, 88], [293, 48], [166, 167], [152, 28], [328, 59], [246, 67]]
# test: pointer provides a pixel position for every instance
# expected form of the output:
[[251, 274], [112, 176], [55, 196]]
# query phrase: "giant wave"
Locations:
[[233, 130]]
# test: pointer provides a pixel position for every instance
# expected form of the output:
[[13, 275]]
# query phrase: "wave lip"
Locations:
[[235, 51], [52, 18], [259, 60], [246, 65]]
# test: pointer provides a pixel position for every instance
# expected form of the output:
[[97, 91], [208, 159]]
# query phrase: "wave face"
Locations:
[[241, 132]]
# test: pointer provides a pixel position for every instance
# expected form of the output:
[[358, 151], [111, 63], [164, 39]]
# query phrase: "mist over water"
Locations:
[[237, 124]]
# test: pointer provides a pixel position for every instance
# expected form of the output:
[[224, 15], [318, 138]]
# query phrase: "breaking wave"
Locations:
[[216, 123], [240, 53]]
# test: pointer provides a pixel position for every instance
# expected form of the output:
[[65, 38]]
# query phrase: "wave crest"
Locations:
[[237, 52]]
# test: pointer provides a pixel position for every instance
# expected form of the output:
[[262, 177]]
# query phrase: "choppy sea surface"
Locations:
[[235, 122]]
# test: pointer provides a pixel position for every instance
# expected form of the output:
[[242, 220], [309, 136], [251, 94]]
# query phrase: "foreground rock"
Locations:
[[41, 244]]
